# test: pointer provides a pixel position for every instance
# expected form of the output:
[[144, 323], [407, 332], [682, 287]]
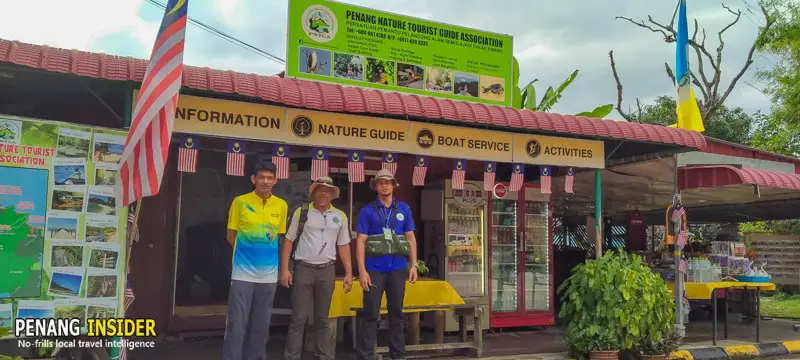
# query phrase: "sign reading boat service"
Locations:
[[557, 151], [454, 142], [308, 127], [207, 116]]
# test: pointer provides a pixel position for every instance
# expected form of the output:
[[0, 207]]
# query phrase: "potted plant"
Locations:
[[651, 349], [611, 304]]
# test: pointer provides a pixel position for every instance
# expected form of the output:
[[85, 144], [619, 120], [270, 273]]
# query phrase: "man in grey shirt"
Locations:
[[314, 276]]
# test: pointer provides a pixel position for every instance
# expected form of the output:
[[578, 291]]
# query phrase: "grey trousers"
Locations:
[[247, 324], [312, 289]]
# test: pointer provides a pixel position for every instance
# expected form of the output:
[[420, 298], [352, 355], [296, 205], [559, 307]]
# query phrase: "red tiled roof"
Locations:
[[694, 177], [335, 98]]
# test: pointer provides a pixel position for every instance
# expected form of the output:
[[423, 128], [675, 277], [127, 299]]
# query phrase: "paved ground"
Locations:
[[522, 344]]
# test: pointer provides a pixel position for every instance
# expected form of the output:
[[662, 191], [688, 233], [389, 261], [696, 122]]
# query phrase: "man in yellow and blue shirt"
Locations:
[[255, 221]]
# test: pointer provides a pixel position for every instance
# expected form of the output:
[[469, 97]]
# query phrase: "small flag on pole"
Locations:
[[569, 180], [489, 172], [319, 163], [517, 177], [236, 158], [389, 162], [280, 157], [187, 154], [683, 238], [683, 266], [677, 213], [355, 166], [420, 169], [459, 173], [545, 179]]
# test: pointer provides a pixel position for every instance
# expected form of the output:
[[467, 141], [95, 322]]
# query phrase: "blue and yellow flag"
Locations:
[[689, 117]]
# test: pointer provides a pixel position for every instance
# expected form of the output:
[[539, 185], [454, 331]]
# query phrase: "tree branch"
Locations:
[[624, 115]]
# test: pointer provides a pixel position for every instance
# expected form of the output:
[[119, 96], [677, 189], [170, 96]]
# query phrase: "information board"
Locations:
[[345, 44], [62, 240]]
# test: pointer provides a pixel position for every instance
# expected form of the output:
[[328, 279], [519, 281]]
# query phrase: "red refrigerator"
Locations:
[[521, 265]]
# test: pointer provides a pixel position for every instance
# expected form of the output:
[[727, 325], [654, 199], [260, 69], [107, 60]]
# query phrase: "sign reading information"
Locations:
[[341, 43]]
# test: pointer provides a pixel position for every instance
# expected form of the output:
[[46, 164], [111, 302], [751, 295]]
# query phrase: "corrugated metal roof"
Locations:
[[336, 98], [693, 177]]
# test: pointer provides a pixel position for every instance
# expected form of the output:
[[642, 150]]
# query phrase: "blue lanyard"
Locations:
[[386, 214]]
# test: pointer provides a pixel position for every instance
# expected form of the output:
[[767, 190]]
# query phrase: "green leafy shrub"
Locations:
[[614, 303]]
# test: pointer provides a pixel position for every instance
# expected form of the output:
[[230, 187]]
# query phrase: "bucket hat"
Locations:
[[325, 182], [383, 174]]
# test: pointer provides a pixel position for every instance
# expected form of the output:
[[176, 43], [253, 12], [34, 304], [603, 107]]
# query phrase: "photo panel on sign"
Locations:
[[35, 309], [107, 148], [66, 282], [101, 283], [66, 254], [73, 143]]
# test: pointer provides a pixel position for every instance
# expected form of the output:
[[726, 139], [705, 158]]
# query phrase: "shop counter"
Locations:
[[706, 291]]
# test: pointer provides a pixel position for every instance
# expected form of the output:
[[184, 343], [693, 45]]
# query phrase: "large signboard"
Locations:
[[345, 44], [62, 240]]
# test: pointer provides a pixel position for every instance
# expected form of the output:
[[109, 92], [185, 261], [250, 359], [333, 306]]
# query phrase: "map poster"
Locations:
[[23, 206], [341, 43], [59, 227]]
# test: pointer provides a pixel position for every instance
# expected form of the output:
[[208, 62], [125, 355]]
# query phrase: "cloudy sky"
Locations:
[[551, 37]]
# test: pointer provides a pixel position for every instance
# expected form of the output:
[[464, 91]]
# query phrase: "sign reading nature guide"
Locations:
[[340, 43]]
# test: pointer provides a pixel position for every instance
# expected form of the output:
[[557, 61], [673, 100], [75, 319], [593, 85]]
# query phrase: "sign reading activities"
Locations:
[[341, 43], [557, 151]]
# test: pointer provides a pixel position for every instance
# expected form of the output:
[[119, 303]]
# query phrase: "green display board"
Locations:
[[341, 43], [62, 240]]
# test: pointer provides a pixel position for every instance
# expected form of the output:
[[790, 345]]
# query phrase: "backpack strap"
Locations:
[[380, 217], [300, 226]]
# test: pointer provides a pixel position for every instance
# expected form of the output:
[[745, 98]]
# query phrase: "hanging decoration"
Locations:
[[237, 151], [280, 157], [517, 177], [420, 170], [459, 174], [569, 181], [187, 154], [355, 166], [545, 179], [319, 163], [389, 162], [489, 174]]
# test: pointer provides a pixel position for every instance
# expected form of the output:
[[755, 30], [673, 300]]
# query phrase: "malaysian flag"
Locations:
[[355, 166], [237, 151], [569, 181], [678, 213], [420, 169], [683, 238], [545, 179], [682, 266], [120, 353], [187, 154], [280, 157], [147, 144], [517, 177], [459, 173], [389, 162], [489, 171], [319, 163]]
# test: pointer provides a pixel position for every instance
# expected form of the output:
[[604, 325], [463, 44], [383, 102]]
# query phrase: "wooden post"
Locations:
[[413, 328]]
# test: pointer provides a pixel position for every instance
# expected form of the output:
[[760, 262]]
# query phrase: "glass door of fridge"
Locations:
[[465, 244], [504, 269], [536, 248]]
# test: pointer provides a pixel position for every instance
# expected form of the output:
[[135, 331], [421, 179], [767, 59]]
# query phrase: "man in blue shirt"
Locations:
[[385, 246]]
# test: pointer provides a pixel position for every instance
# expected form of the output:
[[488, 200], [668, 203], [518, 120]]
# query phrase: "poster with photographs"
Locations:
[[66, 254], [66, 282], [81, 254], [67, 199], [104, 256], [36, 309], [72, 143], [101, 229], [107, 148], [101, 201], [101, 283]]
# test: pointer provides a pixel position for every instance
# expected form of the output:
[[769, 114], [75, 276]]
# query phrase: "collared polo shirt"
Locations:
[[257, 224], [322, 233], [369, 223]]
